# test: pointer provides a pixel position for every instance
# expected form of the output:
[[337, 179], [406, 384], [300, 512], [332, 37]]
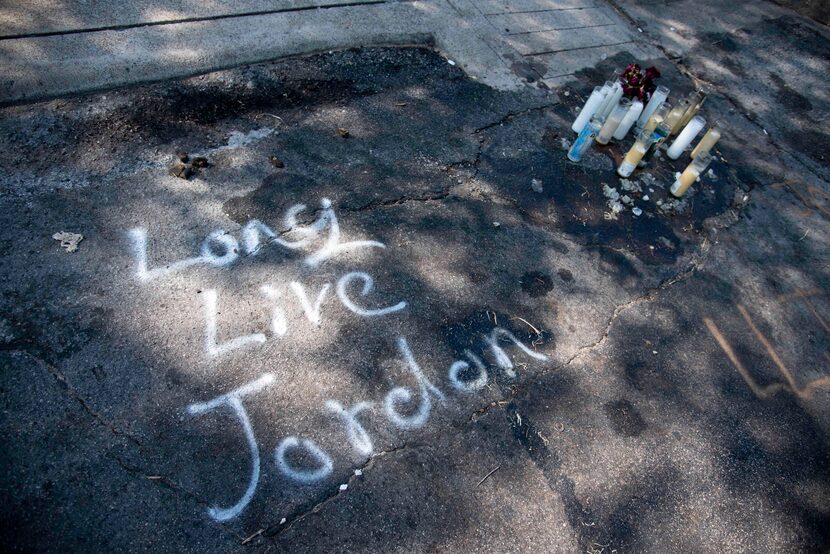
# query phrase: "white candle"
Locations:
[[630, 117], [686, 137], [616, 94], [588, 110], [613, 121], [658, 97]]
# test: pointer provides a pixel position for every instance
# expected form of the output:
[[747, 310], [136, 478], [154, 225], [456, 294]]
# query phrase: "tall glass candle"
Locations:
[[630, 117], [608, 91], [677, 113], [709, 139], [613, 121], [588, 110], [634, 155], [657, 117], [686, 137], [690, 174], [585, 138], [614, 97], [657, 97], [696, 100], [658, 136]]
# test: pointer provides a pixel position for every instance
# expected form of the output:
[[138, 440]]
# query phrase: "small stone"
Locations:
[[69, 241], [182, 155], [625, 199], [654, 352], [567, 93], [343, 132], [536, 185], [180, 170], [636, 211], [283, 520], [645, 197], [200, 161], [343, 487], [450, 62], [358, 472], [496, 224], [276, 162]]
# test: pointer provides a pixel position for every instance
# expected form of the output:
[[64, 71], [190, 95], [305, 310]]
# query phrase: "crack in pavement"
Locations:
[[66, 386], [167, 483], [511, 115], [273, 532], [433, 196]]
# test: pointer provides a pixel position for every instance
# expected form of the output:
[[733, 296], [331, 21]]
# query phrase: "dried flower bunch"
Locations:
[[637, 84]]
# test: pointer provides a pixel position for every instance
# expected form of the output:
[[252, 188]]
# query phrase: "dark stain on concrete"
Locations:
[[788, 97], [565, 275], [536, 283], [624, 418]]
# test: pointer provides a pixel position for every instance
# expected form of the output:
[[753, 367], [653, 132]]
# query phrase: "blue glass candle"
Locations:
[[585, 138]]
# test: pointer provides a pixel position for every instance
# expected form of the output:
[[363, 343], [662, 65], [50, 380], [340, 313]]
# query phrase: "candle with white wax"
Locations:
[[634, 155], [686, 137], [611, 102], [589, 109], [630, 117], [658, 97], [690, 174], [709, 139], [613, 121], [618, 94]]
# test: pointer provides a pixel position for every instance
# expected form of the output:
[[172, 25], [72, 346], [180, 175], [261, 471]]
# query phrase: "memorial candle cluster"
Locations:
[[631, 100]]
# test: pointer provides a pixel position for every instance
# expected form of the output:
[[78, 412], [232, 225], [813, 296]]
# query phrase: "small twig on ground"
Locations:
[[483, 479], [252, 537], [804, 235], [274, 116], [528, 324]]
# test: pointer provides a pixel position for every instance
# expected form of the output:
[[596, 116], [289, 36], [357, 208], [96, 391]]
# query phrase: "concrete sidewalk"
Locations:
[[71, 48]]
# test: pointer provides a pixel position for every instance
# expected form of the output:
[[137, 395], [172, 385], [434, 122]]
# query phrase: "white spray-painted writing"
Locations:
[[304, 476], [356, 433], [214, 348], [233, 400], [368, 285], [502, 359], [255, 234], [333, 245], [302, 460], [312, 311], [402, 395], [279, 323], [321, 464], [470, 385], [279, 320]]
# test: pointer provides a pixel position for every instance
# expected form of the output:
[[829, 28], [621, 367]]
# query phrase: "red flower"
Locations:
[[636, 83], [652, 72]]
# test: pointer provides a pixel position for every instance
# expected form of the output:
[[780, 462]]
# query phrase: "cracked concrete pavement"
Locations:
[[669, 390]]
